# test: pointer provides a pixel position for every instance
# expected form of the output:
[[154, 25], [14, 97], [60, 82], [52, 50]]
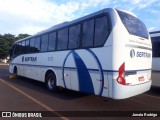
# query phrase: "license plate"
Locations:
[[141, 78]]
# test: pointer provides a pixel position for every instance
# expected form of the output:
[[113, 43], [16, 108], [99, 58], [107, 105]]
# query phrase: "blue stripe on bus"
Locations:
[[84, 78], [73, 68], [100, 69]]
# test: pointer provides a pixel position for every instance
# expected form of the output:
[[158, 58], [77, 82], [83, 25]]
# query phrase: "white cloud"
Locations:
[[140, 4], [136, 1], [39, 13], [32, 12], [30, 28], [37, 9], [97, 2], [31, 16], [153, 11], [150, 29], [133, 1]]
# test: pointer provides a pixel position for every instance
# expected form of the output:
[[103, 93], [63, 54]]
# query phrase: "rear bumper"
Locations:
[[123, 91]]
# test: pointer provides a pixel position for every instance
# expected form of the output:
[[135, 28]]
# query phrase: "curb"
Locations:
[[3, 64]]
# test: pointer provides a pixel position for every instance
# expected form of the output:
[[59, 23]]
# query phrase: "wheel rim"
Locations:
[[51, 83]]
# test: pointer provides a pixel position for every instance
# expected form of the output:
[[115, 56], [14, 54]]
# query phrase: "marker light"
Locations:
[[121, 77]]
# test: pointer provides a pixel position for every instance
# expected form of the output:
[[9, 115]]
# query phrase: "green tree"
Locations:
[[6, 42], [1, 47], [21, 36]]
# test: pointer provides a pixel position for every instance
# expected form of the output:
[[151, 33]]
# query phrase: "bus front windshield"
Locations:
[[133, 24]]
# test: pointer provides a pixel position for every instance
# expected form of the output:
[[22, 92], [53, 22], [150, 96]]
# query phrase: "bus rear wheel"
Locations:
[[51, 82]]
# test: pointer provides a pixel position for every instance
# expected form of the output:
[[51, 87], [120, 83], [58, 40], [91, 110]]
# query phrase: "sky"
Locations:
[[32, 16]]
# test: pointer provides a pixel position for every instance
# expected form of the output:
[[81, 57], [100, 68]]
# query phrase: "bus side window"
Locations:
[[23, 47], [101, 31], [62, 39], [32, 45], [74, 37], [15, 49], [12, 51], [87, 36], [52, 41], [156, 46], [27, 46], [37, 44], [44, 43], [19, 48]]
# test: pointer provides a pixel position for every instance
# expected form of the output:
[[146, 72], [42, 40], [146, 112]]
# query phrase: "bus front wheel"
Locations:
[[51, 82]]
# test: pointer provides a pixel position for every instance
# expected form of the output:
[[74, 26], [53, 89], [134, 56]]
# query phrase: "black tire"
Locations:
[[51, 82], [15, 70]]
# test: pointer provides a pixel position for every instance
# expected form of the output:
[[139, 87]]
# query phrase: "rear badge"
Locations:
[[132, 53]]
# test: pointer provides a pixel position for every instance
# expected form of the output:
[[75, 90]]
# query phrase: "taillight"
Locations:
[[121, 76]]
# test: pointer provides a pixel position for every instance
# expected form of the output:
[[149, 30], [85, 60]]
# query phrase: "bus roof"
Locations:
[[153, 32]]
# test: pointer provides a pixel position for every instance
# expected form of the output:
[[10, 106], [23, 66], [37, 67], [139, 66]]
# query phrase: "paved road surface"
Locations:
[[23, 94]]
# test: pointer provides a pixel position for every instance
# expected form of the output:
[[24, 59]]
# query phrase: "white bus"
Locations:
[[107, 53], [155, 38]]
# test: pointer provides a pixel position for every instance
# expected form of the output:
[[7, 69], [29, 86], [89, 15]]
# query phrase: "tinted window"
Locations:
[[52, 41], [101, 30], [27, 46], [20, 48], [62, 39], [12, 51], [44, 42], [133, 24], [32, 45], [23, 47], [88, 30], [17, 50], [74, 37], [156, 46], [37, 44]]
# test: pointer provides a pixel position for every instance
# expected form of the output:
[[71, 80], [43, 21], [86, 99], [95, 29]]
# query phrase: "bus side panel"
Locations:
[[155, 78], [156, 64], [31, 72], [109, 82], [74, 80], [58, 72], [83, 71], [104, 56], [97, 61], [68, 72]]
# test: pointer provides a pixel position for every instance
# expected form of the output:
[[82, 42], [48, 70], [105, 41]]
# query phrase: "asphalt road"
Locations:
[[25, 95]]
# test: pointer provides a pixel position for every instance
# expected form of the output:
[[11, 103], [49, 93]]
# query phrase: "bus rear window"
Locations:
[[133, 24]]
